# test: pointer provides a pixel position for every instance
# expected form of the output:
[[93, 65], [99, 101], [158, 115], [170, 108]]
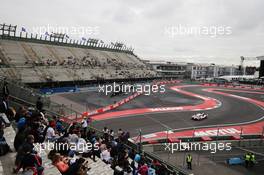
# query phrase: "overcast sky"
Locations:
[[148, 25]]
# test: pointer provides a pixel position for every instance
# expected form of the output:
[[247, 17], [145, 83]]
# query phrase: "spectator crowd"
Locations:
[[35, 127]]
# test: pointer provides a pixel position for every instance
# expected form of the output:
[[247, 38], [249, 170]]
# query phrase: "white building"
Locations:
[[191, 70], [202, 71], [169, 69]]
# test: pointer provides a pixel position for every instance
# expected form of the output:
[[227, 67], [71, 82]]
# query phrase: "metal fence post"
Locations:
[[140, 141], [240, 136]]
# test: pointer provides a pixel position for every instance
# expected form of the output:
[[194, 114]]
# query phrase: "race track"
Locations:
[[231, 111]]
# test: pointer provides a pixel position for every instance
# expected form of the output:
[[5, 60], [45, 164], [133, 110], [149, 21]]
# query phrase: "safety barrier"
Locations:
[[234, 86], [100, 110], [115, 105], [204, 134], [204, 139], [59, 90]]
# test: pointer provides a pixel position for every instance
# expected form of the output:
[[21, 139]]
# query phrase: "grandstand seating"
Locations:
[[34, 62], [7, 161]]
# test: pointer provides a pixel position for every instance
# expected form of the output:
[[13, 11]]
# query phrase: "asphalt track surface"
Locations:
[[259, 97], [160, 100], [93, 99], [231, 111]]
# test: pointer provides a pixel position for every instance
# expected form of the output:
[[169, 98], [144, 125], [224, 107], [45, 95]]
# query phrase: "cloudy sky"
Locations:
[[210, 31]]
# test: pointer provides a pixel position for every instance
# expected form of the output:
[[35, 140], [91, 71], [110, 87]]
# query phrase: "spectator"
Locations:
[[112, 151], [93, 142], [5, 89], [4, 106], [26, 147], [61, 163], [2, 127], [59, 127], [105, 155], [143, 169], [119, 132], [21, 112], [22, 133], [105, 130], [157, 166], [4, 147], [51, 135], [39, 104], [84, 126], [106, 133], [73, 129], [151, 170], [112, 134], [65, 168], [31, 162]]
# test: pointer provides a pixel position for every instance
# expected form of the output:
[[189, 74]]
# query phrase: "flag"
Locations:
[[23, 29]]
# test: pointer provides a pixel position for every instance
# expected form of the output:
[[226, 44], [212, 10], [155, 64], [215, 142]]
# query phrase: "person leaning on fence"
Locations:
[[5, 91], [247, 159], [4, 105], [39, 104], [189, 162]]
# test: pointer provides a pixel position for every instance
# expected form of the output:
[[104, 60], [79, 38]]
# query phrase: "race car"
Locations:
[[199, 116]]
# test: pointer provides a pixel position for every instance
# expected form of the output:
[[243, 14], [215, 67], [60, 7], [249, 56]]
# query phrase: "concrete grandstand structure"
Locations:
[[36, 61]]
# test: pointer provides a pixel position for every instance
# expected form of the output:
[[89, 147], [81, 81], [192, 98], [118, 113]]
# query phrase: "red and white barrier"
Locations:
[[113, 106], [235, 87]]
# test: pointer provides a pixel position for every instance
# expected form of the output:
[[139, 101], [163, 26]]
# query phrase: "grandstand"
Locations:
[[50, 61]]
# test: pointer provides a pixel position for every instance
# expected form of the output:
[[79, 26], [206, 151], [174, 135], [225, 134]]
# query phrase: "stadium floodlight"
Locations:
[[7, 30]]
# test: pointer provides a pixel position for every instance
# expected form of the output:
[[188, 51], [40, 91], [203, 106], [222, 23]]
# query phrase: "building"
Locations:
[[250, 70], [169, 69], [166, 69], [212, 71], [228, 70]]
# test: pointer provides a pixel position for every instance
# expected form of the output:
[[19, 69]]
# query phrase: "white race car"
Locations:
[[199, 116]]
